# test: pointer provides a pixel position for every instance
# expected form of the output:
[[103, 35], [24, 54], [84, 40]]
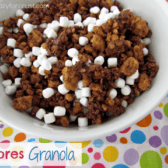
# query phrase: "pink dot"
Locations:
[[97, 155], [98, 165], [125, 131], [90, 150], [155, 128]]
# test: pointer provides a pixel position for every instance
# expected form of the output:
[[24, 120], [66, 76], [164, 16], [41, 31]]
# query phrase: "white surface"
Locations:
[[156, 13]]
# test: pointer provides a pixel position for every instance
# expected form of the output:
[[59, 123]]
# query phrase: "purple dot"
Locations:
[[111, 138], [23, 167], [131, 157], [158, 115], [1, 125], [164, 134], [155, 141]]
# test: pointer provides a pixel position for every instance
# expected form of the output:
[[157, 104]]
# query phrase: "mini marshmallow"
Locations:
[[78, 94], [84, 101], [116, 13], [41, 57], [104, 10], [19, 12], [62, 89], [26, 17], [80, 84], [29, 55], [83, 40], [88, 63], [49, 32], [103, 16], [41, 71], [89, 20], [43, 51], [61, 78], [16, 62], [91, 27], [72, 118], [25, 62], [15, 30], [68, 63], [10, 90], [120, 83], [17, 82], [113, 8], [18, 53], [71, 23], [10, 30], [53, 60], [73, 52], [11, 42], [28, 28], [48, 92], [112, 62], [86, 92], [147, 41], [43, 25], [99, 60], [49, 118], [40, 113], [46, 65], [129, 81], [113, 93], [64, 21], [145, 51], [126, 90], [59, 111], [36, 64], [4, 68], [7, 82], [1, 30], [79, 24], [19, 22], [55, 25], [95, 10], [82, 122], [135, 75], [124, 103], [75, 60], [36, 51], [77, 18], [109, 16], [99, 22]]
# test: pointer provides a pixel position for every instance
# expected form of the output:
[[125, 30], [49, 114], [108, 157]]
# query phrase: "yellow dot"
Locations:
[[7, 132], [163, 150], [161, 105], [110, 154], [77, 145]]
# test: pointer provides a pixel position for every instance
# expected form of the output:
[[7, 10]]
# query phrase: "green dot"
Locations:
[[150, 159], [44, 140], [166, 109], [85, 158]]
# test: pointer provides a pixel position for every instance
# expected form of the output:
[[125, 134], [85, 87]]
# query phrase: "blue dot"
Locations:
[[60, 144], [98, 143], [167, 95], [138, 137], [5, 166], [31, 140], [120, 166]]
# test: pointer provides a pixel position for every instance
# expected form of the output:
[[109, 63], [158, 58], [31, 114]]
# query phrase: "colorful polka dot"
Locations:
[[164, 134], [155, 141], [163, 150], [4, 144], [138, 137], [31, 140], [23, 167], [145, 122], [90, 150], [160, 105], [1, 125], [73, 162], [120, 166], [131, 157], [60, 144], [155, 128], [166, 109], [158, 115], [166, 159], [7, 132], [85, 158], [98, 165], [85, 143], [123, 140], [150, 159], [44, 140], [20, 137], [98, 143], [97, 155], [125, 131], [111, 138], [110, 154]]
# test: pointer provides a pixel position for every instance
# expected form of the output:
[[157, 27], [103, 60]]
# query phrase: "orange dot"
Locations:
[[166, 159], [20, 137], [123, 140], [160, 105], [145, 122]]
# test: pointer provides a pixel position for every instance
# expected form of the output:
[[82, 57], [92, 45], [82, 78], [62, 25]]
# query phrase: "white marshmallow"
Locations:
[[35, 26], [43, 25], [88, 63], [17, 82], [41, 57], [91, 27], [78, 94], [26, 17], [64, 21], [80, 84], [15, 30], [68, 63], [99, 60], [41, 71], [25, 62], [4, 68], [83, 40], [62, 89], [135, 75], [124, 103], [145, 51], [49, 32], [36, 51], [16, 62], [48, 92], [73, 52], [84, 101], [95, 10], [112, 62], [55, 25], [116, 13], [1, 30], [82, 122], [28, 28], [129, 81], [7, 82], [43, 51], [75, 60], [99, 22], [102, 16], [11, 42], [120, 83], [18, 53], [46, 65], [29, 55], [40, 113], [126, 90], [61, 78], [113, 8], [77, 18], [86, 92], [49, 118], [113, 93], [19, 12], [71, 23], [147, 41], [10, 90], [53, 60], [104, 10], [89, 20], [59, 111], [72, 118], [109, 16], [36, 64], [80, 24]]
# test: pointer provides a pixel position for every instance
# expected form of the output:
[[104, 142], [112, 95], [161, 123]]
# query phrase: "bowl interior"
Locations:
[[152, 11]]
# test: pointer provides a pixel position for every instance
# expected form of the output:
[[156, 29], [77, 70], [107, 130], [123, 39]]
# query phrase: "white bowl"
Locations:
[[156, 14]]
